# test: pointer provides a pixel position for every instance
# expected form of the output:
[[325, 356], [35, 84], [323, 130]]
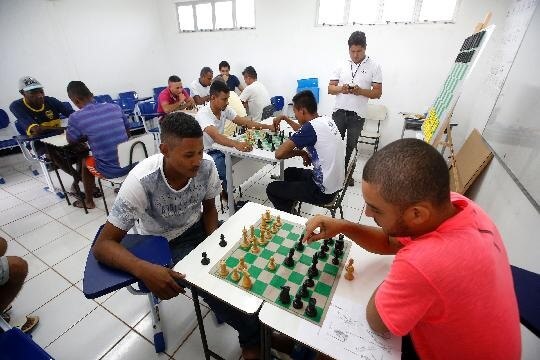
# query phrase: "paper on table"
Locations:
[[57, 140], [347, 329]]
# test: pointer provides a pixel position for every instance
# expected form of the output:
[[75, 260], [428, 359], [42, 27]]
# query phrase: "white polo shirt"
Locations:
[[364, 75], [197, 89], [257, 98], [206, 118]]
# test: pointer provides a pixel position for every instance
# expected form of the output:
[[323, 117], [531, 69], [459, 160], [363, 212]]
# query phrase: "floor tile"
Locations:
[[43, 235], [79, 218], [59, 209], [177, 320], [222, 339], [60, 314], [5, 236], [9, 201], [14, 177], [134, 347], [89, 230], [15, 213], [35, 266], [72, 268], [27, 185], [37, 292], [100, 299], [128, 307], [96, 334], [45, 200], [59, 249], [15, 249], [27, 224]]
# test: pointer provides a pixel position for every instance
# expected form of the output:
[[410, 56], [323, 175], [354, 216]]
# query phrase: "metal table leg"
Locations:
[[230, 185], [281, 170], [207, 352], [266, 342]]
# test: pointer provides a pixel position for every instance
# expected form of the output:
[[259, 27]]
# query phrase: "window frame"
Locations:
[[380, 13], [193, 4]]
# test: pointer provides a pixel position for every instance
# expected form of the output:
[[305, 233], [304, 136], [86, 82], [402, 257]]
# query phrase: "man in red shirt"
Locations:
[[450, 288], [174, 97]]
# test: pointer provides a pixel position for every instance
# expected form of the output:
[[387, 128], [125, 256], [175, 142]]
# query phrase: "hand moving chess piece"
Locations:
[[246, 280], [223, 269], [235, 276], [271, 264], [349, 270]]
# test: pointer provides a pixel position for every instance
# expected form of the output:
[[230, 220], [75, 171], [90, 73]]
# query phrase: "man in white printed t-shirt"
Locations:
[[318, 142], [165, 193], [353, 83], [255, 96], [212, 119], [200, 88]]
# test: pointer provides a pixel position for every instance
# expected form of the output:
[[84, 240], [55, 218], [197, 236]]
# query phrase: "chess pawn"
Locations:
[[255, 247], [267, 235], [246, 280], [262, 240], [268, 218], [349, 270], [278, 221], [274, 228], [242, 264], [223, 269], [271, 264], [252, 231], [235, 276], [244, 244]]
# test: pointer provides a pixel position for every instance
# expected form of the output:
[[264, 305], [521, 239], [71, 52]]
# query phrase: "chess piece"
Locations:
[[284, 295], [311, 310], [222, 241], [315, 258], [341, 237], [267, 216], [272, 147], [262, 240], [278, 221], [267, 236], [303, 291], [335, 260], [297, 303], [289, 261], [271, 264], [255, 247], [349, 270], [325, 246], [205, 260], [313, 271], [246, 280], [223, 269], [244, 244], [338, 252], [309, 281], [275, 228], [331, 241], [299, 246], [259, 144], [235, 276], [251, 232], [242, 264]]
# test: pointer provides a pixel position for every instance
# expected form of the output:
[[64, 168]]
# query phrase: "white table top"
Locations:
[[199, 275], [350, 299], [56, 140]]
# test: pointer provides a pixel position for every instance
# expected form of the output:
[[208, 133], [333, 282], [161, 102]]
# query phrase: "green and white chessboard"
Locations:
[[267, 284], [260, 134]]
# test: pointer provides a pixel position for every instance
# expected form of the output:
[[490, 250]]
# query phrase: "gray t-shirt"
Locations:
[[146, 195]]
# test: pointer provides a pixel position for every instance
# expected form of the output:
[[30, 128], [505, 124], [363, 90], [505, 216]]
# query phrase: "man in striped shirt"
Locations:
[[103, 126]]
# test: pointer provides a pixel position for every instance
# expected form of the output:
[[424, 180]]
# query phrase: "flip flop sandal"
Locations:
[[79, 204], [30, 324]]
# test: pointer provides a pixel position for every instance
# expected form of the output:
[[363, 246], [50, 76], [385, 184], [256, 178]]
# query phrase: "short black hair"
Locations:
[[224, 64], [357, 38], [205, 70], [218, 87], [174, 78], [408, 171], [79, 90], [179, 125], [250, 71], [305, 100]]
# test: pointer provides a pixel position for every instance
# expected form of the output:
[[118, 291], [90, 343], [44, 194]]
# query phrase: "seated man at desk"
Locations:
[[38, 114], [200, 88], [450, 287], [231, 80], [318, 142], [103, 126], [212, 119], [165, 193], [174, 97], [255, 96]]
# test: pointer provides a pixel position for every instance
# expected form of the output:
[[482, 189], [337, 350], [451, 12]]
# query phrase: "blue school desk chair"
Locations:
[[16, 345]]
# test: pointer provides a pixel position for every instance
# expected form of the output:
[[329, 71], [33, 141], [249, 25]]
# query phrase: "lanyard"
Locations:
[[353, 75]]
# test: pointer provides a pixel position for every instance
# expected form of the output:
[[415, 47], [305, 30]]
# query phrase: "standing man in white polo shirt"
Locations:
[[200, 88], [354, 83], [212, 119], [255, 96]]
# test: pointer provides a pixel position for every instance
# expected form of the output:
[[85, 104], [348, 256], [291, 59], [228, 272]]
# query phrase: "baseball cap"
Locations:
[[28, 83]]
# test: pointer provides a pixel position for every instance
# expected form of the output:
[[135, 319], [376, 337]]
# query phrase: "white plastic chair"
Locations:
[[370, 135]]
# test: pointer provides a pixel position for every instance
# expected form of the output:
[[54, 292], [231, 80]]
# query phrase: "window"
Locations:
[[209, 15], [343, 12]]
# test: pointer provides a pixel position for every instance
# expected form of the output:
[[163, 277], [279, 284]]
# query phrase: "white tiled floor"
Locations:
[[54, 239]]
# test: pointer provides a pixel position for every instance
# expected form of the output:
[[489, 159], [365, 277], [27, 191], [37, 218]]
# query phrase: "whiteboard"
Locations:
[[513, 128]]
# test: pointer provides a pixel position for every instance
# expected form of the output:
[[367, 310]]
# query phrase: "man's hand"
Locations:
[[161, 281], [305, 157], [345, 89], [328, 227], [243, 146], [182, 98], [190, 104], [270, 127], [357, 90], [278, 119]]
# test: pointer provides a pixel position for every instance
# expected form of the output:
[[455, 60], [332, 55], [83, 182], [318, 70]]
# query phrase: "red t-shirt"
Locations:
[[452, 290], [168, 97]]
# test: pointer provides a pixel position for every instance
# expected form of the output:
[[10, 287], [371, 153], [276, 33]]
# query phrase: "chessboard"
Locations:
[[261, 139], [290, 281]]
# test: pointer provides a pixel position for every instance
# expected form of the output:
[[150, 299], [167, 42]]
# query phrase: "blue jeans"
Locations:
[[248, 326], [219, 160]]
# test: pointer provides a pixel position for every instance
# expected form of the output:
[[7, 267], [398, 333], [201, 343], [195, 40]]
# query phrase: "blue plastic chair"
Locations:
[[157, 91], [104, 98], [128, 95], [278, 102], [4, 119], [16, 345]]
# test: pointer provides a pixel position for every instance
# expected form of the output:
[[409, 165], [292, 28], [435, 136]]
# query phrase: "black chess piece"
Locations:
[[331, 241], [315, 258], [297, 303], [341, 237], [284, 295], [313, 271], [309, 281], [311, 310], [259, 144], [289, 261], [335, 260], [222, 241], [325, 246], [303, 291], [272, 147], [338, 252], [299, 245], [322, 254], [205, 260]]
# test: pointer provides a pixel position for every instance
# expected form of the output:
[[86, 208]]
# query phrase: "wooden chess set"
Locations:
[[271, 261]]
